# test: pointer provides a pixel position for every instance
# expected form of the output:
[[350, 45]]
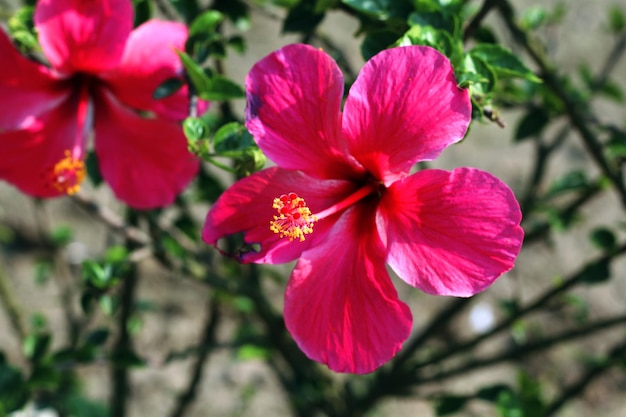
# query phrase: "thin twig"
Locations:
[[207, 344], [11, 307]]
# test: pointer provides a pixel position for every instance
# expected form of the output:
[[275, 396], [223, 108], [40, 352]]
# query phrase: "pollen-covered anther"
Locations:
[[67, 174], [294, 219]]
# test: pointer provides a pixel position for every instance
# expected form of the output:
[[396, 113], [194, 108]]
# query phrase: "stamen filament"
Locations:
[[359, 194]]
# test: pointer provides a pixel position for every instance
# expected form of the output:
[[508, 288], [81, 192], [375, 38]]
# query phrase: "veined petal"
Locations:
[[293, 111], [404, 107], [450, 233], [149, 59], [145, 161], [27, 89], [340, 304], [246, 207], [83, 35], [30, 154]]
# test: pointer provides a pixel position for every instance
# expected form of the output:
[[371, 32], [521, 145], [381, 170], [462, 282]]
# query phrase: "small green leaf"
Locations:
[[61, 235], [196, 74], [302, 18], [534, 17], [617, 19], [143, 11], [493, 392], [127, 359], [376, 41], [503, 61], [374, 8], [616, 146], [35, 346], [220, 88], [195, 129], [231, 139], [613, 91], [603, 238], [572, 181], [93, 169], [98, 337], [167, 88], [531, 124], [596, 273], [206, 23], [449, 404], [477, 75]]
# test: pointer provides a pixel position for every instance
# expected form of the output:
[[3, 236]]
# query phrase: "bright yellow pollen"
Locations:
[[294, 219], [67, 174]]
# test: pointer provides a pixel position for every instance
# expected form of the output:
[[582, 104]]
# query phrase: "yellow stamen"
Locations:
[[294, 219], [67, 174]]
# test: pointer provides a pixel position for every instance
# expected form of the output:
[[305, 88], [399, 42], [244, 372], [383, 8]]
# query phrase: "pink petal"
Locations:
[[293, 111], [450, 233], [26, 88], [149, 60], [83, 35], [403, 108], [340, 304], [145, 161], [30, 154], [246, 207]]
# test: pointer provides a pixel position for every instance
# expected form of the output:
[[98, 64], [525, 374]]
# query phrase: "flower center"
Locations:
[[294, 219], [67, 174]]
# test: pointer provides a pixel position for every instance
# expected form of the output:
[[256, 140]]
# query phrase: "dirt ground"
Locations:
[[247, 388]]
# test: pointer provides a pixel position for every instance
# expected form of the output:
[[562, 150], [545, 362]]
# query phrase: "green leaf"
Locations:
[[237, 12], [167, 88], [35, 346], [531, 124], [534, 17], [477, 75], [596, 273], [143, 11], [196, 74], [449, 404], [195, 129], [97, 337], [13, 390], [493, 392], [116, 254], [572, 181], [503, 61], [302, 18], [61, 235], [617, 19], [374, 8], [252, 352], [93, 169], [220, 88], [206, 23], [612, 90], [376, 41], [616, 146], [603, 238], [127, 359], [231, 139], [189, 9]]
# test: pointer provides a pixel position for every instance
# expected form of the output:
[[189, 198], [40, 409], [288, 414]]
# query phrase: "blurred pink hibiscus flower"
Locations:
[[343, 200], [101, 78]]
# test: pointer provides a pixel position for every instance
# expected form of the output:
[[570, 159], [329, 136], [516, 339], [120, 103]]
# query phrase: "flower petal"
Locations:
[[83, 35], [450, 233], [26, 88], [293, 111], [30, 153], [246, 207], [149, 59], [145, 161], [340, 304], [404, 107]]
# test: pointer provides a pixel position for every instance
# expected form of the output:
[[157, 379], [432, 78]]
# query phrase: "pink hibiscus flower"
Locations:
[[343, 200], [102, 76]]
